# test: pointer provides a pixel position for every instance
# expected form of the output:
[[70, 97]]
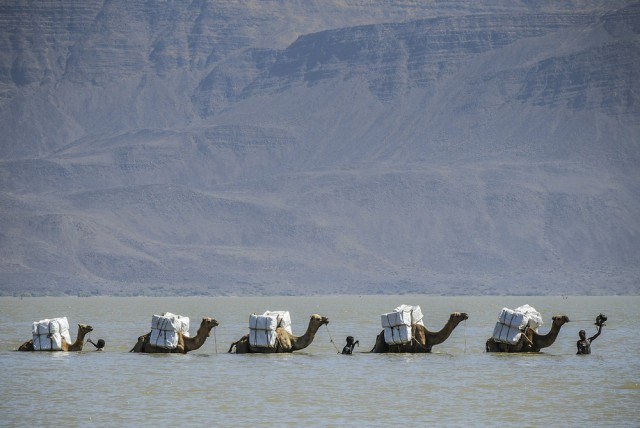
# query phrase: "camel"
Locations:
[[76, 346], [185, 343], [531, 341], [422, 339], [285, 341]]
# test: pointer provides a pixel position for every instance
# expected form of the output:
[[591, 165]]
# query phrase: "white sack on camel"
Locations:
[[262, 330], [521, 317], [506, 334], [511, 323], [402, 315], [534, 317], [171, 322], [166, 329], [512, 318], [284, 319], [397, 335], [48, 334], [262, 338], [263, 322], [415, 311]]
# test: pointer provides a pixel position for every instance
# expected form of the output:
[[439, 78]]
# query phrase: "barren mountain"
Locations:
[[277, 147]]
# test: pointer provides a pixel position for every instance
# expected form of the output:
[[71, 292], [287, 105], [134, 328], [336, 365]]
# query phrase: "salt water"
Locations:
[[457, 385]]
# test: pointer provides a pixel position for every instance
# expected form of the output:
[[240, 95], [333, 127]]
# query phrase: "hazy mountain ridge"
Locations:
[[472, 149], [428, 50]]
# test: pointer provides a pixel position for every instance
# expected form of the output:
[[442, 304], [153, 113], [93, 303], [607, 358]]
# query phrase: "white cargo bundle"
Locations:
[[48, 334], [169, 321], [415, 311], [395, 319], [511, 323], [284, 319], [397, 324], [262, 330], [506, 334], [402, 315], [534, 317], [166, 330], [263, 322], [397, 335], [512, 318]]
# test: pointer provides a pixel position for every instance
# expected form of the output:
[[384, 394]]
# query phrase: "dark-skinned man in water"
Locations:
[[351, 343], [584, 344]]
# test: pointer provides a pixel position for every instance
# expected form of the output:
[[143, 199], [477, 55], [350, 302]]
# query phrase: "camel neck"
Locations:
[[79, 342], [435, 338], [544, 341], [195, 342], [306, 339]]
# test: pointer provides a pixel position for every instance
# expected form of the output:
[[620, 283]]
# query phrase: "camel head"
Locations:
[[84, 328], [208, 323], [318, 320], [459, 316], [560, 319]]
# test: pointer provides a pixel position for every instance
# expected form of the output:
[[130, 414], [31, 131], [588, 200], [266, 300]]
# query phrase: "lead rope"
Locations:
[[465, 336], [215, 339], [331, 339]]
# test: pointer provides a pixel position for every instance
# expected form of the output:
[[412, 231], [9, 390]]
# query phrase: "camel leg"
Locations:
[[491, 346], [242, 345], [380, 345], [139, 346]]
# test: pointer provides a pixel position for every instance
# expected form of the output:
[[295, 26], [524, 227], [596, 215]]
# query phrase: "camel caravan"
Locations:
[[403, 331]]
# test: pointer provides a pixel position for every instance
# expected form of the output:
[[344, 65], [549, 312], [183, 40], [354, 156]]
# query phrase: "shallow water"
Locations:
[[457, 385]]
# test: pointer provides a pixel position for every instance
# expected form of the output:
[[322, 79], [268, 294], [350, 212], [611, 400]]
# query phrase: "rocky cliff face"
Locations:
[[284, 148]]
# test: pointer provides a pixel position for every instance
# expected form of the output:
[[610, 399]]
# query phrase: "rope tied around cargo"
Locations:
[[415, 343], [331, 339], [49, 336]]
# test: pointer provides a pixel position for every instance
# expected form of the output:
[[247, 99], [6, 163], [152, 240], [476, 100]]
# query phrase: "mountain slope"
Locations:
[[320, 147]]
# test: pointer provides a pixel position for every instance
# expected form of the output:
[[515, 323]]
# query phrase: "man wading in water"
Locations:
[[99, 345], [348, 348], [584, 344]]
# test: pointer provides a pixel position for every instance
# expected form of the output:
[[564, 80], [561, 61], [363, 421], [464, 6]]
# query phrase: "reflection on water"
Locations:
[[630, 385], [458, 385]]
